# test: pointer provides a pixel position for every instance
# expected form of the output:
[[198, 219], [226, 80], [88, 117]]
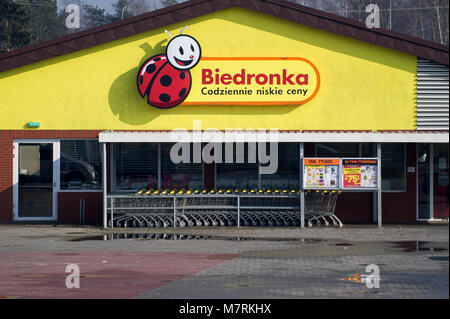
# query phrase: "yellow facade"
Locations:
[[363, 86]]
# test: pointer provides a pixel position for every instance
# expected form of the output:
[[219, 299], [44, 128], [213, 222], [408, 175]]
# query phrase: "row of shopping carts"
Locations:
[[236, 191], [191, 208], [208, 218]]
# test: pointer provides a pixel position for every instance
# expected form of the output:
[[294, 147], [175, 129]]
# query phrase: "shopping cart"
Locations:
[[320, 207]]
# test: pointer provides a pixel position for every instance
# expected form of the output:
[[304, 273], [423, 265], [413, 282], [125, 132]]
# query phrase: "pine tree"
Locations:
[[13, 31], [95, 16], [44, 23]]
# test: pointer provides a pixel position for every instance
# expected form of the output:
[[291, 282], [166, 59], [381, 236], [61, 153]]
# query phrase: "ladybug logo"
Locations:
[[166, 79]]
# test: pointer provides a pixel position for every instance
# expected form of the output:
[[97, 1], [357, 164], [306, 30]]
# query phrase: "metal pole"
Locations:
[[159, 165], [302, 209], [259, 174], [431, 216], [112, 212], [238, 211], [174, 211], [105, 203], [302, 194], [374, 206], [123, 10], [390, 14], [379, 203]]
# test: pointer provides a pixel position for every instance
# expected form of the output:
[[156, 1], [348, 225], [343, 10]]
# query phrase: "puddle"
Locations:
[[87, 238], [142, 236], [441, 258], [402, 246], [417, 245], [114, 236]]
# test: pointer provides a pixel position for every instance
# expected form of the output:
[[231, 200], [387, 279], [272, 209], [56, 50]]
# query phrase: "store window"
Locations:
[[346, 150], [368, 150], [180, 175], [287, 174], [392, 159], [80, 165], [136, 165], [337, 149], [393, 167], [237, 175]]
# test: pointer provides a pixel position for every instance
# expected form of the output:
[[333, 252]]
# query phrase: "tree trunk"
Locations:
[[436, 5]]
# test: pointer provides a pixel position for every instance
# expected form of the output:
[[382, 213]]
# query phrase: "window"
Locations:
[[368, 150], [136, 165], [346, 150], [237, 175], [393, 167], [80, 165], [392, 159], [181, 175], [337, 149], [287, 175]]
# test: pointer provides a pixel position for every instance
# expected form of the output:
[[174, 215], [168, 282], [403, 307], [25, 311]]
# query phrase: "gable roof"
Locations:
[[194, 8]]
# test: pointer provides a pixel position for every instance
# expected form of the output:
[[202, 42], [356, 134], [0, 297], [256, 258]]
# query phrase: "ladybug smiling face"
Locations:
[[183, 52], [166, 79]]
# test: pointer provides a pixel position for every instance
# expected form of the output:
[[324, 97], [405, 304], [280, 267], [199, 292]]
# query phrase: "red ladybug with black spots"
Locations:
[[166, 79]]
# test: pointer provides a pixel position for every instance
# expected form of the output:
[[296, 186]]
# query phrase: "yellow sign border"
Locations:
[[260, 102]]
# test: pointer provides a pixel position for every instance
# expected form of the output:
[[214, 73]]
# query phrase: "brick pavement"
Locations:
[[32, 262]]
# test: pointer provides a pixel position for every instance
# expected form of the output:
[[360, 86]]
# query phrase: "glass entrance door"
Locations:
[[424, 181], [432, 181], [440, 181], [35, 173]]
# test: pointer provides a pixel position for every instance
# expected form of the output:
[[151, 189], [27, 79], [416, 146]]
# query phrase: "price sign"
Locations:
[[360, 173]]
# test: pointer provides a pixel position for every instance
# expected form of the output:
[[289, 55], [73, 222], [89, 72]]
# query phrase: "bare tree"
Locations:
[[439, 23], [139, 6], [427, 19]]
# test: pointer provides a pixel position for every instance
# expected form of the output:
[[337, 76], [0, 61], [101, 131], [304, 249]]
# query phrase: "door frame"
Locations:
[[430, 182], [431, 216], [55, 184]]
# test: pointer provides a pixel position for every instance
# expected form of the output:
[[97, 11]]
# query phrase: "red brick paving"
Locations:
[[41, 274]]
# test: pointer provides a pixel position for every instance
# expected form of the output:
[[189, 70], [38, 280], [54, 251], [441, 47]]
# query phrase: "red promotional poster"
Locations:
[[359, 173]]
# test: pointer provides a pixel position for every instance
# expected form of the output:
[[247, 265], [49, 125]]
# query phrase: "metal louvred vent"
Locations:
[[432, 95]]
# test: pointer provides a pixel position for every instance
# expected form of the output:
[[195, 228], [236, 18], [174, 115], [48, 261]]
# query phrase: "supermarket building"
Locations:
[[87, 115]]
